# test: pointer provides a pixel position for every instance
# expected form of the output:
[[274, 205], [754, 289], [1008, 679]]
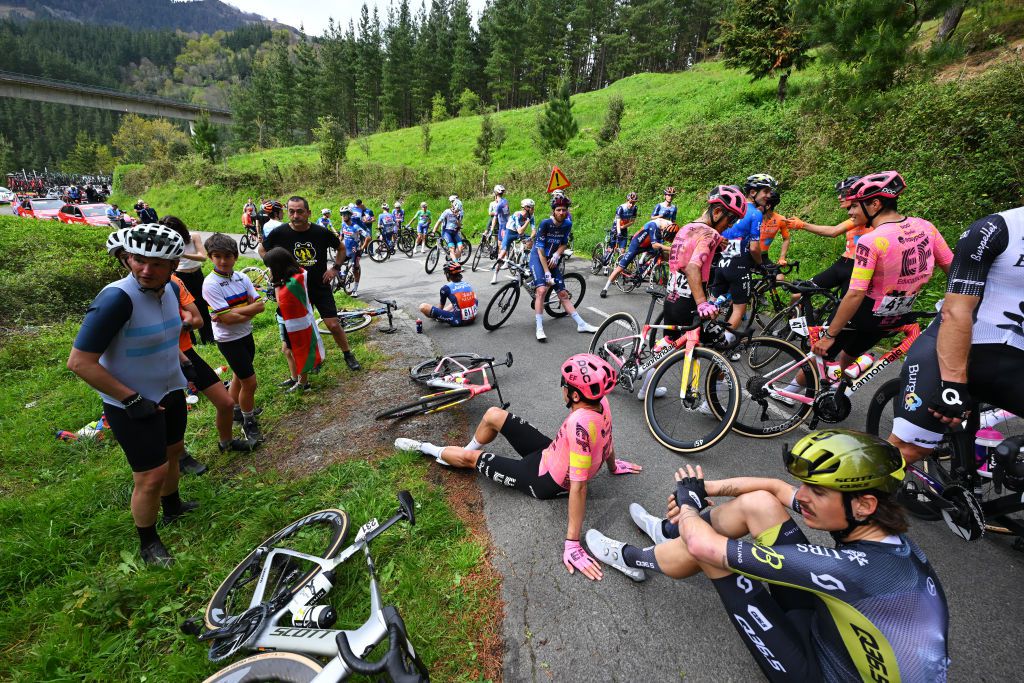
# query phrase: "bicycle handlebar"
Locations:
[[390, 303], [394, 660]]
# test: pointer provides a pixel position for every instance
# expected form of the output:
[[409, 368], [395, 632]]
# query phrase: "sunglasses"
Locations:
[[797, 466]]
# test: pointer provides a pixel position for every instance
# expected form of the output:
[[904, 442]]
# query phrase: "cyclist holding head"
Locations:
[[871, 609], [551, 241], [515, 230], [648, 239], [549, 468], [974, 350], [422, 221], [458, 300], [667, 209]]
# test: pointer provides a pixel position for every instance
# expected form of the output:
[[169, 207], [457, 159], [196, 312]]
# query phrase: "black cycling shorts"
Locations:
[[993, 376], [523, 473], [679, 312], [836, 275], [863, 331], [240, 355], [733, 279], [205, 376], [322, 299], [145, 442], [775, 622]]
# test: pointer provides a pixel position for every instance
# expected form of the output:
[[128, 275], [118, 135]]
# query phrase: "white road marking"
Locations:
[[598, 311]]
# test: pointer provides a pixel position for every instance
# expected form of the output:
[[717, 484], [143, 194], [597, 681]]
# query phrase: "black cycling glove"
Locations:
[[139, 407], [951, 400], [690, 491], [189, 371]]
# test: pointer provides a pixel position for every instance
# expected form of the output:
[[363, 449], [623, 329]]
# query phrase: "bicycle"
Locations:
[[287, 577], [604, 254], [406, 240], [452, 374], [503, 303], [440, 247], [249, 240], [707, 384], [814, 306], [354, 320], [345, 279], [488, 245], [647, 268], [380, 251], [260, 277]]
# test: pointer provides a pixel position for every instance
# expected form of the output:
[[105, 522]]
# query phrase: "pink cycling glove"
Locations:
[[575, 555], [625, 467], [707, 310]]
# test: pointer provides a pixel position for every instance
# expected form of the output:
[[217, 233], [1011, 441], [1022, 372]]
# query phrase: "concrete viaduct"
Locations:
[[25, 87]]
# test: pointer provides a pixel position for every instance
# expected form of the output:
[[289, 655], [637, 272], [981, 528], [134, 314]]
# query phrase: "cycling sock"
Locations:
[[247, 414], [605, 288], [639, 558], [147, 535], [171, 503], [669, 529], [578, 319], [427, 448], [473, 445], [540, 320]]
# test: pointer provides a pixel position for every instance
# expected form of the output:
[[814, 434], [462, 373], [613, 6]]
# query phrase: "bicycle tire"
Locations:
[[659, 274], [669, 434], [378, 251], [553, 305], [626, 281], [597, 259], [351, 323], [467, 251], [503, 303], [425, 405], [778, 325], [269, 666], [433, 256], [349, 281], [616, 326], [476, 260], [423, 372], [243, 243], [406, 243], [751, 417], [327, 542]]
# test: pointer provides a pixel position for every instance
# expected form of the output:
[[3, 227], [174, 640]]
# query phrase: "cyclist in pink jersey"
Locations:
[[891, 265], [549, 468]]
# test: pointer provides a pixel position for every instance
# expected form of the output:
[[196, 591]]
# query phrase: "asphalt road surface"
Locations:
[[562, 627]]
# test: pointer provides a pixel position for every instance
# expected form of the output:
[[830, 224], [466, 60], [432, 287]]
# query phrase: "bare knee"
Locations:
[[148, 483], [761, 510], [425, 309], [495, 417], [911, 452]]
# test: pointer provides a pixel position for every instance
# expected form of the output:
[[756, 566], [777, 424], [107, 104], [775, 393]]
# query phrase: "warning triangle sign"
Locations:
[[558, 180]]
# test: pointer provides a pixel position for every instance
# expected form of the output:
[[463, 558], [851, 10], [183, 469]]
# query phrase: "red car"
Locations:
[[84, 214], [41, 209]]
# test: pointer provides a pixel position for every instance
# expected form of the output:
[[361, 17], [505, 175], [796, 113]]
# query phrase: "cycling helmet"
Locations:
[[759, 181], [845, 460], [590, 375], [885, 185], [452, 268], [398, 205], [844, 185], [385, 206], [325, 212], [560, 200], [499, 189], [345, 209], [423, 205], [773, 200], [527, 204], [670, 191], [558, 193], [272, 205], [453, 198], [139, 205], [115, 241], [631, 197], [730, 198], [153, 240]]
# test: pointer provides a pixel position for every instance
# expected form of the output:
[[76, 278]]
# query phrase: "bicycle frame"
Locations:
[[459, 380]]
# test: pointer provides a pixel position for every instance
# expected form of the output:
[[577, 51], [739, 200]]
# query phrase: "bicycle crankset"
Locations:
[[832, 407], [966, 518]]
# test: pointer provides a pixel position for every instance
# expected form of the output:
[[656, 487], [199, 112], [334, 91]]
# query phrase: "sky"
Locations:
[[313, 14]]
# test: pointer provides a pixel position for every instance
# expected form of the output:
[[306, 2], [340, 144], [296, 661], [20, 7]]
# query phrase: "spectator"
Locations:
[[146, 214], [190, 272], [300, 341], [114, 216]]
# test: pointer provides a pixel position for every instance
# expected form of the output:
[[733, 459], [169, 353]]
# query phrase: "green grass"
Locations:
[[75, 601]]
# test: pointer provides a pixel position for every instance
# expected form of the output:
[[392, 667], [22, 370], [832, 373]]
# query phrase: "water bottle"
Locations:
[[833, 371], [860, 366], [985, 443], [301, 604], [721, 300], [317, 616], [419, 326]]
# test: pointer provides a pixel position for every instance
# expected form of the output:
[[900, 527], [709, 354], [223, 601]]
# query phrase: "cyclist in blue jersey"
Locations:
[[515, 230], [387, 224], [450, 222], [742, 251], [498, 211], [869, 609], [399, 214], [648, 239], [549, 245], [458, 300], [325, 220], [456, 205], [357, 212], [667, 209], [354, 238], [618, 235], [368, 219]]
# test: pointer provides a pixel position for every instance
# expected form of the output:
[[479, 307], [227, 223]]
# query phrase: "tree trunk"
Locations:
[[950, 20], [783, 85]]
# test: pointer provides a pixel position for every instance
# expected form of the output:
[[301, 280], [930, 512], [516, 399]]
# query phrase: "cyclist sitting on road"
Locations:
[[354, 238], [549, 468], [649, 239], [742, 251], [838, 274], [388, 226], [515, 230], [974, 350], [625, 216], [422, 221], [325, 220], [458, 300], [450, 233], [774, 223], [870, 609], [498, 213], [667, 209], [550, 244]]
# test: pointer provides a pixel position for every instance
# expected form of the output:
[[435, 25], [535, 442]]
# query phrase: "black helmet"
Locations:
[[844, 185], [560, 201], [773, 200]]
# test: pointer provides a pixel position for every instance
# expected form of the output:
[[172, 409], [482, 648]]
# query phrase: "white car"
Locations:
[[6, 196]]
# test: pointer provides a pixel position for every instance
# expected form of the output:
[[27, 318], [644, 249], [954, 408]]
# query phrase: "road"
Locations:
[[561, 627]]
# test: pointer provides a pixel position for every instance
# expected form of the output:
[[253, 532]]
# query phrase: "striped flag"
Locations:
[[294, 307]]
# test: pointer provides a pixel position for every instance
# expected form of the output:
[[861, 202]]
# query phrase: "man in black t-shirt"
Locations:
[[309, 243]]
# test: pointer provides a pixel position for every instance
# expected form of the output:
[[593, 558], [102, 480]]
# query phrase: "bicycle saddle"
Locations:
[[803, 287]]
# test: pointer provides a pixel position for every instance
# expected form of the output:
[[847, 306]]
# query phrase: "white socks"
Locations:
[[473, 445]]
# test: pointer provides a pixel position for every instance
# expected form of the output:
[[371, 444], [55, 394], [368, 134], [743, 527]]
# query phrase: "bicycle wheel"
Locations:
[[681, 420], [597, 259], [425, 405], [477, 258], [781, 325], [406, 243], [269, 666], [626, 281], [354, 320], [617, 336], [320, 533], [467, 251], [349, 281], [433, 256], [425, 371], [763, 413], [243, 243], [260, 278], [575, 285], [659, 274], [501, 305], [378, 251]]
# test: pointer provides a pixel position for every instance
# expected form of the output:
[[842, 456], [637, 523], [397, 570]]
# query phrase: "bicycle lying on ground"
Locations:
[[359, 318], [452, 374], [503, 303], [286, 579]]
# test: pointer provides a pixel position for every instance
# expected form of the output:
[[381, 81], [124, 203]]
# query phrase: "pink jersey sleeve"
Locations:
[[943, 254], [864, 261]]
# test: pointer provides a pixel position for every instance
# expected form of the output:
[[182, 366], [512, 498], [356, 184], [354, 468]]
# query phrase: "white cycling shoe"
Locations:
[[404, 444], [609, 551], [586, 328], [541, 336], [647, 522]]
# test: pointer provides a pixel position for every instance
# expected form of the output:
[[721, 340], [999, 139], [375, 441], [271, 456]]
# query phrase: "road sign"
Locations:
[[558, 180]]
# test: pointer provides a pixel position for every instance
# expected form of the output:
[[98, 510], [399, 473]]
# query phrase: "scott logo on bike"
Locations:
[[309, 633]]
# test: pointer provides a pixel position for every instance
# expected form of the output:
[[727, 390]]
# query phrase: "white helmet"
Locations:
[[527, 204], [325, 212], [385, 206], [499, 189], [453, 198], [398, 205], [115, 240], [154, 241], [423, 205]]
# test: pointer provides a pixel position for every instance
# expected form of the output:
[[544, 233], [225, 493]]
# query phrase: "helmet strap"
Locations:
[[851, 521], [871, 217]]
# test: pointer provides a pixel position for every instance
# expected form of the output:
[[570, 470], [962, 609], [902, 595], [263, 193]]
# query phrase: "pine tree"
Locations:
[[484, 142], [206, 138], [557, 126], [464, 66], [762, 37]]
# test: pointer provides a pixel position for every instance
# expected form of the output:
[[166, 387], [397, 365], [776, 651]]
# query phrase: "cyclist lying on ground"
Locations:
[[872, 608], [458, 300], [549, 468]]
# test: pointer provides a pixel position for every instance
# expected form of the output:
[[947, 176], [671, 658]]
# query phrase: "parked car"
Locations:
[[7, 197], [42, 209], [84, 214]]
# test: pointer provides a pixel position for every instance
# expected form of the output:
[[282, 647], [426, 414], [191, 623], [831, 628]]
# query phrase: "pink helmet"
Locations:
[[885, 185], [591, 375], [730, 198]]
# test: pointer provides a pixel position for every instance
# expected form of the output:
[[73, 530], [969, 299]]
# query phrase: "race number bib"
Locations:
[[733, 248], [469, 312], [891, 306], [679, 285], [799, 325]]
